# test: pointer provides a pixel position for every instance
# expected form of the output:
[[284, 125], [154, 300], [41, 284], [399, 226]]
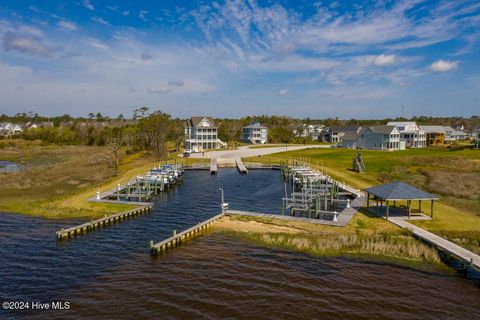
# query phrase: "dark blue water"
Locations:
[[110, 274], [8, 166]]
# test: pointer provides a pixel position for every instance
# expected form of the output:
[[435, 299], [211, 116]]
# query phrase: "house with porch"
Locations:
[[435, 135], [335, 134], [411, 133], [201, 133], [255, 134], [374, 138]]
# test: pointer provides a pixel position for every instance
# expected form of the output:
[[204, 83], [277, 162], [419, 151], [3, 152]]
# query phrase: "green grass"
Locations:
[[452, 174], [58, 180]]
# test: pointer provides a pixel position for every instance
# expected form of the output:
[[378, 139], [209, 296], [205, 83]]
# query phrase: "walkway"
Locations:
[[467, 256]]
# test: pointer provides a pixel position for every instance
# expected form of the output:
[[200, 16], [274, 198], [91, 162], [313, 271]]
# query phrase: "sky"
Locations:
[[346, 59]]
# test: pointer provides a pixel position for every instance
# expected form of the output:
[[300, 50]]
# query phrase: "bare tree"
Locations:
[[114, 145]]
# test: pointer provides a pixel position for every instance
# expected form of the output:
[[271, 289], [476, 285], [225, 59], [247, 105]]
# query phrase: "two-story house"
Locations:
[[374, 138], [255, 134], [411, 133], [201, 133]]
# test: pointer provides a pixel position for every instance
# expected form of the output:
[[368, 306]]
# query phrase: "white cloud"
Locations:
[[87, 4], [443, 65], [282, 92], [158, 90], [384, 60], [176, 83], [142, 14], [27, 44], [100, 20], [67, 25]]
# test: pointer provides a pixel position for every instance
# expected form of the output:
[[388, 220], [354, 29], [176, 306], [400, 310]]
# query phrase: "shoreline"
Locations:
[[399, 247]]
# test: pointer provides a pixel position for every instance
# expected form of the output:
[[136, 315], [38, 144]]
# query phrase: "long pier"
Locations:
[[183, 236], [213, 166], [467, 257], [241, 167], [101, 223]]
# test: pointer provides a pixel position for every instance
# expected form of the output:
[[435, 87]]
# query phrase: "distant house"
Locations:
[[435, 135], [35, 125], [452, 135], [201, 133], [335, 134], [312, 130], [8, 128], [374, 138], [255, 134], [411, 133]]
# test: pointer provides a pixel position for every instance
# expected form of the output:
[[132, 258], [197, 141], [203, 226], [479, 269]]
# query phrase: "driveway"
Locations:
[[246, 151]]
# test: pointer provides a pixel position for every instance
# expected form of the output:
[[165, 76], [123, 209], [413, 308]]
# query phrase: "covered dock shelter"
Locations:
[[396, 192]]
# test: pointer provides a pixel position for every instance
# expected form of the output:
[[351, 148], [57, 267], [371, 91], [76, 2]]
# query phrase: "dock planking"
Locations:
[[213, 166], [467, 257], [101, 223], [183, 236], [240, 166]]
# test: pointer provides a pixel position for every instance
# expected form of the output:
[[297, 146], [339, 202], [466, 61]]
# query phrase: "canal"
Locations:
[[110, 274]]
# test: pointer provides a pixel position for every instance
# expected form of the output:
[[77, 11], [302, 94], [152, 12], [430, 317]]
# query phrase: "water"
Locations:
[[110, 274], [8, 166]]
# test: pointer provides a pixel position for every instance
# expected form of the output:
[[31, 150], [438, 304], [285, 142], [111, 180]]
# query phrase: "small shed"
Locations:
[[400, 191]]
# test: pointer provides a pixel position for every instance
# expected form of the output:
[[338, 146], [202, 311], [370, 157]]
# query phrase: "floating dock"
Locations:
[[101, 223], [213, 166], [183, 236], [240, 166]]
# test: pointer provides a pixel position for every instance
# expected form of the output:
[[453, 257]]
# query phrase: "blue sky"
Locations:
[[351, 59]]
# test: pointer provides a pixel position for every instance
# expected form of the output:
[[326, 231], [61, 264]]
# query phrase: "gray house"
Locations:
[[374, 138], [255, 134], [335, 134]]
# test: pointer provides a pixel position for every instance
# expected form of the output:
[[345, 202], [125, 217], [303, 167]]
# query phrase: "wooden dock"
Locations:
[[101, 223], [469, 258], [241, 167], [183, 236], [213, 165]]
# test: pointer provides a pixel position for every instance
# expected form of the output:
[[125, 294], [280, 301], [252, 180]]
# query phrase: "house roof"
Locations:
[[383, 129], [400, 123], [398, 190], [433, 129], [350, 136], [255, 126], [344, 129], [195, 121]]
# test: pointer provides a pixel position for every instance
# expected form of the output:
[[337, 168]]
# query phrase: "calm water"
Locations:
[[109, 273], [8, 166]]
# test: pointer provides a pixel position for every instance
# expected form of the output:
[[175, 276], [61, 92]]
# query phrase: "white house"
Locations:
[[452, 135], [411, 133], [255, 134], [8, 128], [201, 133], [374, 138]]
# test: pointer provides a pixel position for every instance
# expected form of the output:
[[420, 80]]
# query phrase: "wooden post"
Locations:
[[420, 205], [387, 208], [431, 210], [409, 208]]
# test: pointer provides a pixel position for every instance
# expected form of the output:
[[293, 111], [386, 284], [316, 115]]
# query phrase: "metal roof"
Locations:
[[383, 129], [255, 125], [398, 190]]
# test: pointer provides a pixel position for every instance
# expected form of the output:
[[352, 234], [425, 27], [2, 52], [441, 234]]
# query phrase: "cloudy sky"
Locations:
[[233, 58]]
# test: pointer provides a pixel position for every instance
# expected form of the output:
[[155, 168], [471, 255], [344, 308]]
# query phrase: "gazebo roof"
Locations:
[[398, 190]]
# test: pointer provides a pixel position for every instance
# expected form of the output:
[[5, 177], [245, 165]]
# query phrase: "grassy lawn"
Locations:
[[453, 175], [56, 180]]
